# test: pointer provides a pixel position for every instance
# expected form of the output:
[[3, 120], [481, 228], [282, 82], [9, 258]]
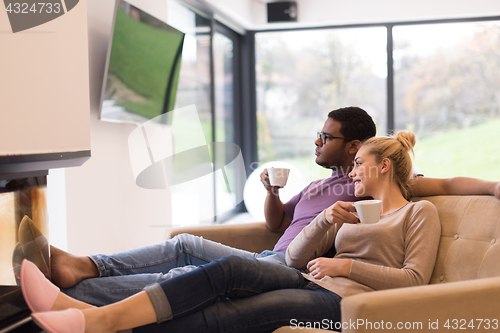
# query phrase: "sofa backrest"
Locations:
[[470, 238]]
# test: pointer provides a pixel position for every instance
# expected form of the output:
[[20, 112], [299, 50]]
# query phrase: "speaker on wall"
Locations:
[[283, 11]]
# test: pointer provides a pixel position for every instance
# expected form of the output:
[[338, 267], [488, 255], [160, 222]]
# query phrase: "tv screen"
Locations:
[[143, 69]]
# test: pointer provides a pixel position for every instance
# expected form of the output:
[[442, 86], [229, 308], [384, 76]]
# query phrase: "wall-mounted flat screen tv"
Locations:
[[143, 67]]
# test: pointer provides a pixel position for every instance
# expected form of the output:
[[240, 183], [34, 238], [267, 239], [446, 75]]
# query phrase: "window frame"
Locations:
[[218, 27]]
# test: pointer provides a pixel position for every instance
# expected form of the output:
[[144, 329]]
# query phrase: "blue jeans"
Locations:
[[237, 294], [126, 273]]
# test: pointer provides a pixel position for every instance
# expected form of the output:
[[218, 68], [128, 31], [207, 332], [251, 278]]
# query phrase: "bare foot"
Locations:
[[67, 269], [64, 302], [134, 311], [98, 320]]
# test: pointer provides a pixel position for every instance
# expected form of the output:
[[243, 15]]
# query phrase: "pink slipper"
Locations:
[[39, 293], [66, 321]]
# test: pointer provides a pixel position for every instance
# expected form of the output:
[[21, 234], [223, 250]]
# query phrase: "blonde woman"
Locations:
[[245, 295]]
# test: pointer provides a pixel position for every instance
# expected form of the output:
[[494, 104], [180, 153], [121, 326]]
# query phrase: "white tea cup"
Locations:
[[278, 176], [368, 210]]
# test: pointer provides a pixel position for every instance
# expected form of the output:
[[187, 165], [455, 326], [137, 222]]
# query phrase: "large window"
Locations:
[[229, 181], [207, 80], [447, 90], [302, 75], [197, 196]]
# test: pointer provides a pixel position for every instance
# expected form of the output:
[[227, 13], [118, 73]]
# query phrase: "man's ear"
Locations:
[[385, 165], [354, 146]]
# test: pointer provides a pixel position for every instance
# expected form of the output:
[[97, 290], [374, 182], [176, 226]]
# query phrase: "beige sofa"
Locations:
[[464, 291]]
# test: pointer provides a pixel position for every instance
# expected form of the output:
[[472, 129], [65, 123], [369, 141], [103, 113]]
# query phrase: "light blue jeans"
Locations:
[[126, 273], [236, 294]]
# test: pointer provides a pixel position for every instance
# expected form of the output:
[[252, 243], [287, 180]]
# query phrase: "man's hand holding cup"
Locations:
[[274, 179]]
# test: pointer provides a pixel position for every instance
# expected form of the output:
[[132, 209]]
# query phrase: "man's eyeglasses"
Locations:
[[324, 136]]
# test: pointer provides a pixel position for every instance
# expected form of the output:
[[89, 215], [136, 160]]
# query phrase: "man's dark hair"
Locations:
[[356, 123]]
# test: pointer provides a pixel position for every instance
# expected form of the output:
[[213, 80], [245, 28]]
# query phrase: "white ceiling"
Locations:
[[252, 14]]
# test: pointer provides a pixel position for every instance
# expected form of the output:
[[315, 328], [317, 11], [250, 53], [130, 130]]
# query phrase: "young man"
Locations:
[[126, 273], [336, 147]]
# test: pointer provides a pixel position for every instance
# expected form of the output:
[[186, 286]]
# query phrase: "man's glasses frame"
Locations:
[[324, 136]]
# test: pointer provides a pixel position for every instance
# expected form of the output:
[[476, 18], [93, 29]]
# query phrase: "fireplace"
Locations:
[[24, 225], [24, 234]]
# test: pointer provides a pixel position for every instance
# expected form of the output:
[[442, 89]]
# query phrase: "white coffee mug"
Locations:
[[368, 210], [278, 176]]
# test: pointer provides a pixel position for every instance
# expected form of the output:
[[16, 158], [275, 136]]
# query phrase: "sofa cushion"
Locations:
[[470, 227], [253, 237]]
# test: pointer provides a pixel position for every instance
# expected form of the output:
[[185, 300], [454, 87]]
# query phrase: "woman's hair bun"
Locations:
[[407, 139]]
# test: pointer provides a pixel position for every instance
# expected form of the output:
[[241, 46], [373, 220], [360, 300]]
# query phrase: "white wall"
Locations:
[[106, 211], [252, 14], [44, 95]]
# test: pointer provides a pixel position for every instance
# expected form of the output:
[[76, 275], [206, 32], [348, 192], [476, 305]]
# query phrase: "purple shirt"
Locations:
[[311, 201]]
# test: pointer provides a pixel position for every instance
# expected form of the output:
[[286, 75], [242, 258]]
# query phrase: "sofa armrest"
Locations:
[[456, 304], [254, 237]]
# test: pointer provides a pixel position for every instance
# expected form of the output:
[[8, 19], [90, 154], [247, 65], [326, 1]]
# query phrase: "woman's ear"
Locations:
[[385, 165]]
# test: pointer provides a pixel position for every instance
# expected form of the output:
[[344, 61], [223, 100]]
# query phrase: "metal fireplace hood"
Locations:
[[17, 166]]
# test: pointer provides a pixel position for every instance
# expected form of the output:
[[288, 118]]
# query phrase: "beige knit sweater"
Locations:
[[398, 251]]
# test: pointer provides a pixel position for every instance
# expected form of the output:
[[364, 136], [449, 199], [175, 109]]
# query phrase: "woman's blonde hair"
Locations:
[[397, 149]]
